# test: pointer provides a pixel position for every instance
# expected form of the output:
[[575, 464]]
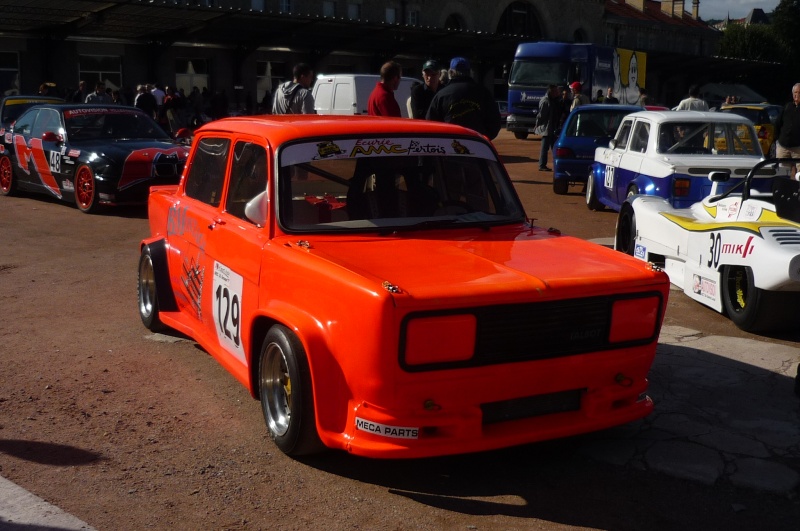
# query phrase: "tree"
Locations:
[[755, 42], [785, 21]]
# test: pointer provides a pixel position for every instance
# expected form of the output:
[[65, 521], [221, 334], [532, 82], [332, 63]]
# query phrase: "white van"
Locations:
[[349, 93]]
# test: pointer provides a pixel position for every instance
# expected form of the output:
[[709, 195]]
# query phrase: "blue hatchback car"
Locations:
[[585, 129]]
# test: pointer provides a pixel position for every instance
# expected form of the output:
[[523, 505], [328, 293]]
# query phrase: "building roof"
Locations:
[[165, 22], [652, 14]]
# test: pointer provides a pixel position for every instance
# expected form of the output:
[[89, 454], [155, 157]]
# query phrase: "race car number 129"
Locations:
[[228, 309]]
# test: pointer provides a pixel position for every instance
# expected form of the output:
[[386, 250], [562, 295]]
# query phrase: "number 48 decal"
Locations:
[[55, 162], [227, 309]]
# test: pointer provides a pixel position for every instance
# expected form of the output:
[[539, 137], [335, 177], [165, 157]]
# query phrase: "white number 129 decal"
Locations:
[[227, 308]]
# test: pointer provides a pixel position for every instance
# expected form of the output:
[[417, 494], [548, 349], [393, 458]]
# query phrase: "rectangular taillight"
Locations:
[[438, 339], [680, 187], [565, 153], [634, 319]]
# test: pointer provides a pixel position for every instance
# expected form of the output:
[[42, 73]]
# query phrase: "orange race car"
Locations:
[[376, 284]]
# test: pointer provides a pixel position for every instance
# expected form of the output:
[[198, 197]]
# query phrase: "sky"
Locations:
[[719, 9]]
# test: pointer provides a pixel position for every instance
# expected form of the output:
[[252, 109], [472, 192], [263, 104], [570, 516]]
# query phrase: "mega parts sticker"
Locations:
[[396, 432]]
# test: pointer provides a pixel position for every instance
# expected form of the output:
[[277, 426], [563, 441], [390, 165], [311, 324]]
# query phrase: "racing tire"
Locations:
[[7, 182], [85, 190], [753, 309], [592, 203], [632, 191], [287, 398], [625, 239], [148, 292], [520, 135], [560, 186]]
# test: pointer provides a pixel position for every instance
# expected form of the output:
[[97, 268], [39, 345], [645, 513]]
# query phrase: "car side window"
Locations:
[[622, 134], [24, 124], [248, 177], [641, 136], [207, 172], [47, 121]]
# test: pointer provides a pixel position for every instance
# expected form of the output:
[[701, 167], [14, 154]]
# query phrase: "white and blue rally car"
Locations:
[[669, 154]]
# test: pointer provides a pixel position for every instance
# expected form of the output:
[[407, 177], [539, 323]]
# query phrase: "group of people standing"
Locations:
[[460, 101]]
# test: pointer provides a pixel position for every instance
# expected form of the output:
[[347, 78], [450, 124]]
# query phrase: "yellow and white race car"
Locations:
[[736, 252]]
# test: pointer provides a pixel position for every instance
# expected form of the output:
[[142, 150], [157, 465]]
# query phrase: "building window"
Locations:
[[9, 73], [391, 15], [268, 77], [413, 18], [620, 39], [191, 73], [329, 9], [354, 11], [104, 68], [285, 6]]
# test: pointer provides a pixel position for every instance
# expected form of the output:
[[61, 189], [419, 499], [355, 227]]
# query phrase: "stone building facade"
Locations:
[[245, 47]]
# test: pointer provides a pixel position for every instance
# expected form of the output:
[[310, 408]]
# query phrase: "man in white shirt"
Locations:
[[693, 102]]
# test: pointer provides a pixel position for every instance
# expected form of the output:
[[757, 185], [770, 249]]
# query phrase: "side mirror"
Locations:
[[50, 136], [256, 209], [717, 177], [612, 143]]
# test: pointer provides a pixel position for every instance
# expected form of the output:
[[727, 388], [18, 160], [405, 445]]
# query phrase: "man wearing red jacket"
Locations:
[[382, 101]]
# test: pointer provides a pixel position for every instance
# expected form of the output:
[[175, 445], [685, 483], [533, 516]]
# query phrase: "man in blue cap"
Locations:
[[465, 102]]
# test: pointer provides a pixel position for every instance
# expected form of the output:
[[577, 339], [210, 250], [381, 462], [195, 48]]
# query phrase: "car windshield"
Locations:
[[539, 73], [708, 138], [754, 115], [394, 183], [595, 123], [14, 107], [110, 124]]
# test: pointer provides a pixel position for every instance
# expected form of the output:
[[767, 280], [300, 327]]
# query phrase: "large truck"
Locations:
[[539, 64]]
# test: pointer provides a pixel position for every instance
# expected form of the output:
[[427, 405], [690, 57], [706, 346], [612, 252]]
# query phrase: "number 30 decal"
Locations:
[[714, 250], [227, 309]]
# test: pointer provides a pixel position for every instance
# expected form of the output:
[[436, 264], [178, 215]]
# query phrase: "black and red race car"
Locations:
[[90, 154]]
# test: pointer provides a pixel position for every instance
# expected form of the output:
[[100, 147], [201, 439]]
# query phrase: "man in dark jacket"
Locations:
[[787, 130], [548, 122], [422, 94], [465, 102]]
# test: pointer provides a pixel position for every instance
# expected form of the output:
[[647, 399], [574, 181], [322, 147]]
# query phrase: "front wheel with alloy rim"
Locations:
[[85, 190], [626, 230], [7, 182], [592, 203], [287, 400], [753, 309]]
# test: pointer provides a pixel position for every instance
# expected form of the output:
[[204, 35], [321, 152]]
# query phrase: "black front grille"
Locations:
[[541, 330], [533, 331]]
